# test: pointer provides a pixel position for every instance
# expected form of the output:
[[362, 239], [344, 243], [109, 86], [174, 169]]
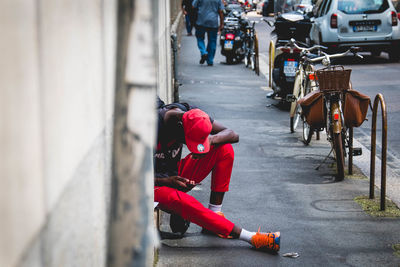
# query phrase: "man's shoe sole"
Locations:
[[203, 58]]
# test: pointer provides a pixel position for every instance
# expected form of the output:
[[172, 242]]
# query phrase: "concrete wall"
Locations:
[[58, 80], [164, 74], [170, 20], [56, 97]]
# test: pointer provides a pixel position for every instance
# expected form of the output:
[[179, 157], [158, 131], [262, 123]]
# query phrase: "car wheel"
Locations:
[[394, 54], [376, 53]]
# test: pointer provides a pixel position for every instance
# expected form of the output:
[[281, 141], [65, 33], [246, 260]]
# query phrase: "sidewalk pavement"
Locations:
[[274, 183]]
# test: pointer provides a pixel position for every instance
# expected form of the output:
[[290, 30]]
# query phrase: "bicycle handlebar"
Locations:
[[293, 43], [307, 49], [325, 58]]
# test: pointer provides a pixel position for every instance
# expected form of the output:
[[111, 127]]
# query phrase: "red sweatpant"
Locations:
[[219, 161]]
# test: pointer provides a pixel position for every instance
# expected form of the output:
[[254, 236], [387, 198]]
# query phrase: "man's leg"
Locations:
[[212, 34], [189, 208], [188, 26], [200, 35], [192, 21], [186, 206], [219, 161]]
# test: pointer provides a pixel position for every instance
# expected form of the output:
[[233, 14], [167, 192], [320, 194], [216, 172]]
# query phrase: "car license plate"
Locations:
[[228, 45], [365, 28], [289, 68]]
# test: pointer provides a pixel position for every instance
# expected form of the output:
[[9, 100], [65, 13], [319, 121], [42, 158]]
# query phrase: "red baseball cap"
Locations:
[[197, 127]]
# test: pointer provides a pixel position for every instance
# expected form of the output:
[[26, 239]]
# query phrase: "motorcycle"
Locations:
[[284, 56], [232, 37]]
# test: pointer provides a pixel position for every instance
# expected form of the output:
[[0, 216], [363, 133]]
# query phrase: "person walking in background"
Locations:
[[211, 152], [208, 12], [190, 15]]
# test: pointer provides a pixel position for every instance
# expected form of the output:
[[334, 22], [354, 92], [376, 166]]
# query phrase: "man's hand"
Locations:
[[220, 28], [221, 20], [176, 182]]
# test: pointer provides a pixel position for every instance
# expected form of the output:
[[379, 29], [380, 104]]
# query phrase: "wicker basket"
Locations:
[[334, 79]]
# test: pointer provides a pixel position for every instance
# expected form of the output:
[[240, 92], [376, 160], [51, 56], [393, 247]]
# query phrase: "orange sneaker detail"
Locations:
[[266, 240], [220, 213]]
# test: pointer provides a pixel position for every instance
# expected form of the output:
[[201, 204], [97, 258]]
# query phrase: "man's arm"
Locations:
[[222, 135], [221, 20], [183, 5], [177, 182]]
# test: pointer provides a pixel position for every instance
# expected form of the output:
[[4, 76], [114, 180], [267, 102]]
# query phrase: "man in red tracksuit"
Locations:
[[211, 152]]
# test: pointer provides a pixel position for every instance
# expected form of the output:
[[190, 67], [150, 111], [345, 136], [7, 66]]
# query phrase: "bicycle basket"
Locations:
[[334, 79]]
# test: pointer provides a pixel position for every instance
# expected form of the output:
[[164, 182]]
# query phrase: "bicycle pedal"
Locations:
[[290, 98], [357, 151]]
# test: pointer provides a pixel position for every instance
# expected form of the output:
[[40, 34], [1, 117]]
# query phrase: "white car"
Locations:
[[304, 6], [371, 25]]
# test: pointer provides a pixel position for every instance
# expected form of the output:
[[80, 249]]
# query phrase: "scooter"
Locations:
[[232, 38], [284, 57]]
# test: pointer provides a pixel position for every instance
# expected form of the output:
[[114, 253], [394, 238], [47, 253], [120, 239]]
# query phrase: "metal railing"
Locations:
[[379, 99]]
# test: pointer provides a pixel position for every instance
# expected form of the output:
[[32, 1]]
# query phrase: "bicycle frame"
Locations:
[[303, 85], [336, 130]]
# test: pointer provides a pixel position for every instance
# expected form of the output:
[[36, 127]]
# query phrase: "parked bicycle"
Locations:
[[327, 105], [304, 83], [250, 43]]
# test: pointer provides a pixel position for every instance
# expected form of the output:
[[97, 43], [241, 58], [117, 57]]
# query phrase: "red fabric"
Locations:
[[178, 202], [219, 161]]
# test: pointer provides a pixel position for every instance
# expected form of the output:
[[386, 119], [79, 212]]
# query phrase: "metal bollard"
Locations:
[[379, 99], [174, 41]]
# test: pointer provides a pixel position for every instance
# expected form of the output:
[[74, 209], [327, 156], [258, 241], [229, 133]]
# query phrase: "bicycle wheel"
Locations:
[[294, 121], [339, 155], [307, 133], [253, 61], [295, 109], [271, 58], [256, 59]]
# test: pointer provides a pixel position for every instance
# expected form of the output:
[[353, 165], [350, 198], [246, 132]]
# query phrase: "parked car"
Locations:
[[265, 7], [304, 6], [396, 4], [371, 25]]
